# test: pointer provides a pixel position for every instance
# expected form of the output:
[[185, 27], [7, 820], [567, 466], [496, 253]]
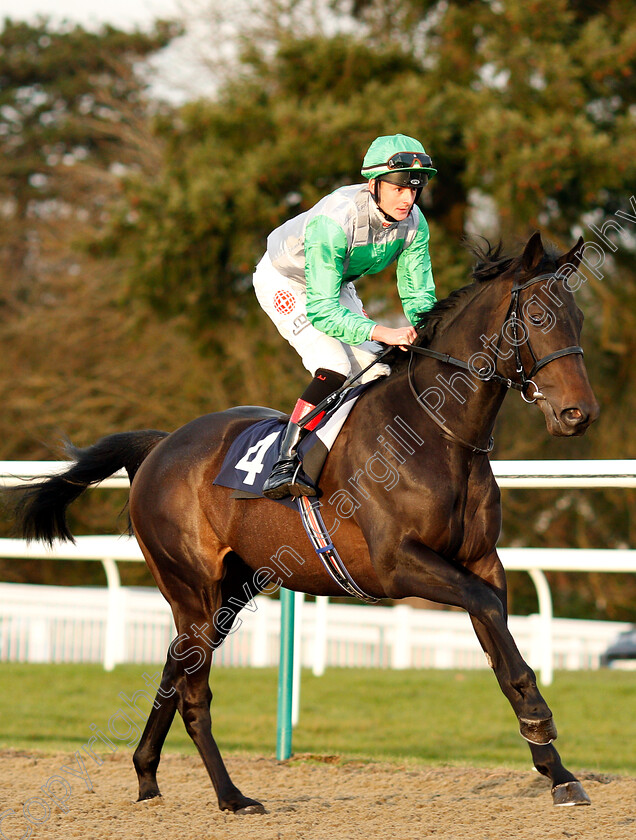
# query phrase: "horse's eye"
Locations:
[[536, 318]]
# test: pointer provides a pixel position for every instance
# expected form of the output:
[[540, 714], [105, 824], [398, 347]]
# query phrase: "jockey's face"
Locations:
[[395, 201]]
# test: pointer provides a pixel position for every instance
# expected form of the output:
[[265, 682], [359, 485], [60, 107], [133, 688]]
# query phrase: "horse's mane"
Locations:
[[491, 263]]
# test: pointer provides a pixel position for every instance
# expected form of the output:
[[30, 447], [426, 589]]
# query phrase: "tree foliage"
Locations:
[[68, 98], [539, 120], [275, 141]]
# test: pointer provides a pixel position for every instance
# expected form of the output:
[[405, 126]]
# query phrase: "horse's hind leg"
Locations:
[[185, 686], [148, 752], [194, 698]]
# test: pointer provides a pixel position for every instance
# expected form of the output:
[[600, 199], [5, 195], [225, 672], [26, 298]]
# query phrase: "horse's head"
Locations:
[[543, 327]]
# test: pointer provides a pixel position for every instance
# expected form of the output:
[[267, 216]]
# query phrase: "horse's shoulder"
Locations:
[[482, 489]]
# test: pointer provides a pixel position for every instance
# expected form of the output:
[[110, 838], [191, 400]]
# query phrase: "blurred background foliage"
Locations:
[[131, 224]]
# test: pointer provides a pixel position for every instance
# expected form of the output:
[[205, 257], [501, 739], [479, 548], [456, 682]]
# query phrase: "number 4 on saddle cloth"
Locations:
[[254, 452]]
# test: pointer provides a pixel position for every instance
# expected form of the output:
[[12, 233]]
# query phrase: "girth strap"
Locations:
[[320, 539]]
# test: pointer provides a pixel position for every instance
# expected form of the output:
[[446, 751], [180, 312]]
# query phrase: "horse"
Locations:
[[407, 488]]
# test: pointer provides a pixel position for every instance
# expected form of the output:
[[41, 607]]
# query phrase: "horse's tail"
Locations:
[[40, 512]]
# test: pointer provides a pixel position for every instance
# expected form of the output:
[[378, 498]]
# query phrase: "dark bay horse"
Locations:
[[407, 491]]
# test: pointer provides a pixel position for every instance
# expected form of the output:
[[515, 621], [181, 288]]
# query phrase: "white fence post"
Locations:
[[402, 636], [39, 635], [320, 635], [114, 645], [299, 598], [543, 639], [259, 633]]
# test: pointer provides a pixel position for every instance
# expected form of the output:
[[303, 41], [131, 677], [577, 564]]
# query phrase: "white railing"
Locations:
[[110, 549], [69, 624], [515, 474]]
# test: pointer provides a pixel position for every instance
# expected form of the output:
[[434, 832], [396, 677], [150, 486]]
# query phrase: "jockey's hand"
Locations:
[[401, 337]]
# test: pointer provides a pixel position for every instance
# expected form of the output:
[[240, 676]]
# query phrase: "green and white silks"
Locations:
[[342, 238]]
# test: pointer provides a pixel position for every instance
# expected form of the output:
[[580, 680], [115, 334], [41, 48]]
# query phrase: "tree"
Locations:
[[70, 106], [72, 114], [78, 360]]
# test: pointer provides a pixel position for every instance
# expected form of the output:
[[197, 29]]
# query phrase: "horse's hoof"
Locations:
[[256, 808], [242, 805], [148, 795], [570, 793], [540, 732]]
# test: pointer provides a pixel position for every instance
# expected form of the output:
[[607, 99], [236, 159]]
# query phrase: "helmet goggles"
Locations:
[[395, 156], [403, 160], [409, 160]]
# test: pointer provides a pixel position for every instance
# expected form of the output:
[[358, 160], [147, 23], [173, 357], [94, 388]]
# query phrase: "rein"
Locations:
[[447, 432], [515, 317]]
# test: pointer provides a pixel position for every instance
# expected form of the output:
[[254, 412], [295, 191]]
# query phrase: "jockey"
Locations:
[[304, 282]]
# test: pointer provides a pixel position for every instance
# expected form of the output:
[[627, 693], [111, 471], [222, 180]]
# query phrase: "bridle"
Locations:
[[515, 318]]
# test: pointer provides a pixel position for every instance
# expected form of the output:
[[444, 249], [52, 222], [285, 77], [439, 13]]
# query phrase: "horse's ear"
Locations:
[[572, 257], [533, 252]]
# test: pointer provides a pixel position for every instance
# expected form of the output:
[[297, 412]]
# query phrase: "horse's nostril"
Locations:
[[573, 416]]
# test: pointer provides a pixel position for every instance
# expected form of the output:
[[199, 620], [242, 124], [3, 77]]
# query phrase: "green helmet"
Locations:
[[395, 155]]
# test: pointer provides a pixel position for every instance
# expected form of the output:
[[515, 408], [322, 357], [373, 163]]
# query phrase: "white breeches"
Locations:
[[286, 304]]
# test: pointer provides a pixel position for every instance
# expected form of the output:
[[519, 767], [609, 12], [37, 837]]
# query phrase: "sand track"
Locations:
[[307, 798]]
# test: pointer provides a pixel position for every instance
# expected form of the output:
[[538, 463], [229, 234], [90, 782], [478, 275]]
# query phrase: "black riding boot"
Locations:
[[287, 477]]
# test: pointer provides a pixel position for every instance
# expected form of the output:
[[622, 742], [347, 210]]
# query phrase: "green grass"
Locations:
[[430, 717]]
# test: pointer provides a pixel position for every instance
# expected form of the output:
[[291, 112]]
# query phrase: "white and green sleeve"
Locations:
[[326, 249], [415, 283]]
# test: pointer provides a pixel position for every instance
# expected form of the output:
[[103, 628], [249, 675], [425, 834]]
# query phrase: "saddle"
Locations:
[[252, 455]]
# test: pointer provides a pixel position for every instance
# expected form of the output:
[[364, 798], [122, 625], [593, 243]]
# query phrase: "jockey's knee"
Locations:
[[376, 372]]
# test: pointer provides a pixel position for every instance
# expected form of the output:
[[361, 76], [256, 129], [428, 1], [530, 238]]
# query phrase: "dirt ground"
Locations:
[[307, 798]]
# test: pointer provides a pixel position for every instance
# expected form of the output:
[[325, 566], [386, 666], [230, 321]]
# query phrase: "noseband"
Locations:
[[514, 316]]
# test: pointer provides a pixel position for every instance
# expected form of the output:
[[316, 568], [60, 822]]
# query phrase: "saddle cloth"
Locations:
[[252, 455]]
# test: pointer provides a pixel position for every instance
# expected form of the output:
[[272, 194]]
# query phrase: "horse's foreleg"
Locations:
[[422, 572], [566, 789]]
